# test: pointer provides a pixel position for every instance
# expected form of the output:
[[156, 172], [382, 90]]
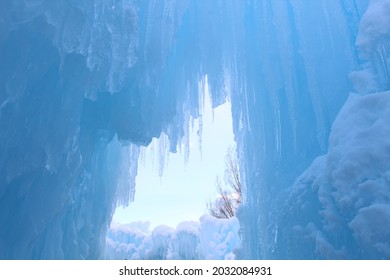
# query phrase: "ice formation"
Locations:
[[210, 239], [349, 185], [84, 83]]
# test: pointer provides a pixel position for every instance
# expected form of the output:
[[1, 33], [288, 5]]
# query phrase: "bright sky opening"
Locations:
[[183, 190]]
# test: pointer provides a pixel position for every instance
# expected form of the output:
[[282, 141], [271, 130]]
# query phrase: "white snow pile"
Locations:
[[372, 42], [374, 26], [210, 238], [353, 179]]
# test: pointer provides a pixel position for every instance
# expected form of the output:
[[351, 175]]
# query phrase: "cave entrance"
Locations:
[[185, 186]]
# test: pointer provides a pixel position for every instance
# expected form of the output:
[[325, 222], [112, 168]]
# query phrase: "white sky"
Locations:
[[181, 193]]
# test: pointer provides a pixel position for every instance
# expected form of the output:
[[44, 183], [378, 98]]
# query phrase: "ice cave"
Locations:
[[85, 83]]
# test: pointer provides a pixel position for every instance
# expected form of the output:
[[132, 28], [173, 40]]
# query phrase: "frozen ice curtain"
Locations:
[[84, 83]]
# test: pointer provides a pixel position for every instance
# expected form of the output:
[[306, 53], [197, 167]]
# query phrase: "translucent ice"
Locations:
[[84, 83]]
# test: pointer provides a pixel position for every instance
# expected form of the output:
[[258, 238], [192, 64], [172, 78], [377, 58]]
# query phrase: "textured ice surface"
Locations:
[[340, 203], [374, 27], [84, 83], [210, 238]]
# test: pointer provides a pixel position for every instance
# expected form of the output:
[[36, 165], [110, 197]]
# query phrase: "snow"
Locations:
[[351, 182], [372, 42], [185, 241], [371, 227], [210, 239], [374, 26], [84, 83], [219, 238], [343, 195]]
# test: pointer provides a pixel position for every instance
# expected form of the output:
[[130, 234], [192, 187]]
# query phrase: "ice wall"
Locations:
[[79, 91], [84, 83], [338, 207], [288, 80]]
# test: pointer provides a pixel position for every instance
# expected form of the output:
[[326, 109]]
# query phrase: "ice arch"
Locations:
[[78, 79]]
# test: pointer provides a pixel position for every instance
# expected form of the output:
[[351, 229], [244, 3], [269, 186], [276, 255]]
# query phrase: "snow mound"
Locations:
[[374, 26], [352, 184], [210, 238]]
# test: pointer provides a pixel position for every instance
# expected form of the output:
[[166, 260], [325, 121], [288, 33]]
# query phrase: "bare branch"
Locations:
[[229, 191]]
